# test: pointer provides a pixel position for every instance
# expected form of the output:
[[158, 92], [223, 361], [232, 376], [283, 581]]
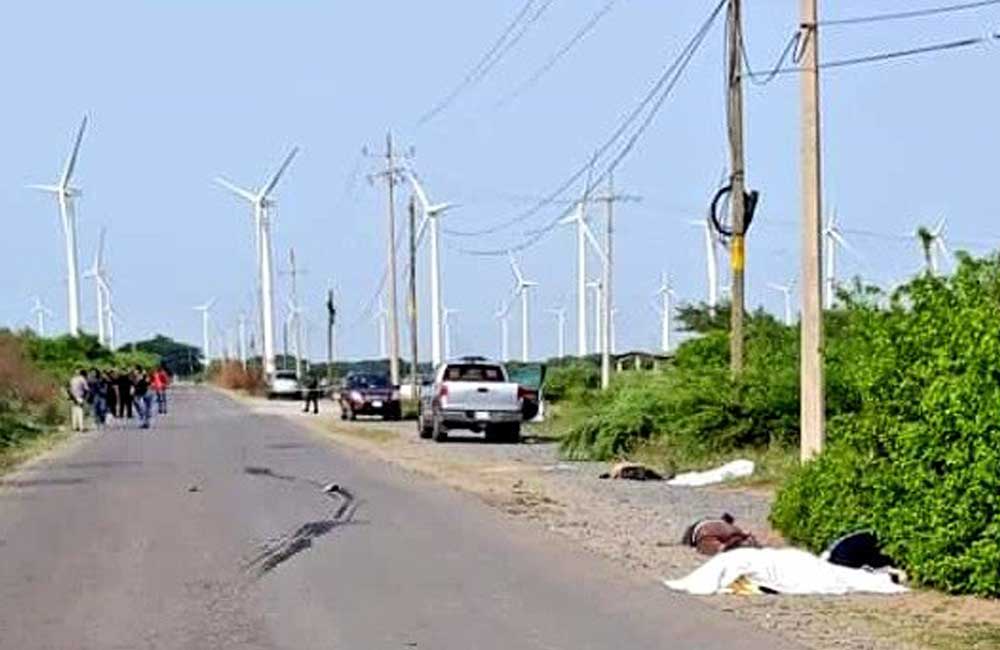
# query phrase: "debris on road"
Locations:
[[781, 571], [729, 471], [712, 535], [194, 488], [632, 472]]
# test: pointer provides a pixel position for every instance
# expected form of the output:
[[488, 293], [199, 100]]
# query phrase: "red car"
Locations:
[[369, 394]]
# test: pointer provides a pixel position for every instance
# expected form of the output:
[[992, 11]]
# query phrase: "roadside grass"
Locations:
[[369, 431], [933, 621], [26, 449]]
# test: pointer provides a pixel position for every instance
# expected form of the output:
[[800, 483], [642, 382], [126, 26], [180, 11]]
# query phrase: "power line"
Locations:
[[896, 54], [903, 15], [492, 56], [581, 33], [667, 83], [636, 112]]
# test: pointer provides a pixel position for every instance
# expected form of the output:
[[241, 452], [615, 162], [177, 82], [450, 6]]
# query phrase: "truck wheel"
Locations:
[[438, 431], [512, 433]]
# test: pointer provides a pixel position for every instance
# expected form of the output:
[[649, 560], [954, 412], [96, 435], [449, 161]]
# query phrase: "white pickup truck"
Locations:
[[472, 394]]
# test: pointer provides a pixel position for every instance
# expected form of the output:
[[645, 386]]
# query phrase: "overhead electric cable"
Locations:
[[903, 15], [636, 113]]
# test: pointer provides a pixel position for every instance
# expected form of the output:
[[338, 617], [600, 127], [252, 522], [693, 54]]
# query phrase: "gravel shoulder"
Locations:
[[638, 525]]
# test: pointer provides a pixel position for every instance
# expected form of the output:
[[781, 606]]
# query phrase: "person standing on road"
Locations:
[[143, 398], [160, 380], [99, 398], [125, 396], [311, 394], [111, 378], [77, 390]]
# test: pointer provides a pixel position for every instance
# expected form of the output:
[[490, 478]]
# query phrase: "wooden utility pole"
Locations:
[[414, 385], [734, 113], [812, 414], [390, 179]]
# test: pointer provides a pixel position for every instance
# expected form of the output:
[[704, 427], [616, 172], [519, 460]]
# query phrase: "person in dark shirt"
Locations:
[[99, 398], [125, 396], [310, 391], [111, 378], [142, 396]]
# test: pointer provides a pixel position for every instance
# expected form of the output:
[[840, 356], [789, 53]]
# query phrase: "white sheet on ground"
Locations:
[[784, 570], [735, 469]]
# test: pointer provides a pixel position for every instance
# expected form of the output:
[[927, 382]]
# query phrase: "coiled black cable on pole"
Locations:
[[749, 208]]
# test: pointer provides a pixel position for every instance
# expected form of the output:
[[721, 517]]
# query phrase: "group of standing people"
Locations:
[[117, 394]]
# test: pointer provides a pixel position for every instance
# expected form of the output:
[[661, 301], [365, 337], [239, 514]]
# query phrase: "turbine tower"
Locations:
[[40, 311], [65, 193], [666, 294], [501, 314], [560, 314], [583, 235], [381, 317], [711, 261], [833, 237], [97, 273], [521, 287], [448, 343], [786, 291], [261, 203], [431, 212], [205, 342]]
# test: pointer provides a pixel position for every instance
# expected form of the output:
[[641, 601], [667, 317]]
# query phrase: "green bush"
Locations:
[[571, 381], [920, 461]]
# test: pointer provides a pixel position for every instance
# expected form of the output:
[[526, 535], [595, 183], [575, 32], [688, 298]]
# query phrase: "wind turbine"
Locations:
[[294, 326], [431, 212], [932, 242], [501, 314], [560, 314], [584, 234], [40, 311], [448, 313], [595, 286], [205, 341], [521, 287], [711, 261], [241, 334], [261, 202], [786, 291], [65, 193], [834, 237], [103, 290], [113, 321], [666, 294]]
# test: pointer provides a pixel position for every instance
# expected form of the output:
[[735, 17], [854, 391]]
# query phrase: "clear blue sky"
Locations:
[[179, 92]]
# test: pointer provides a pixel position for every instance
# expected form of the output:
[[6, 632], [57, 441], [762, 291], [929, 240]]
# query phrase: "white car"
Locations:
[[284, 385]]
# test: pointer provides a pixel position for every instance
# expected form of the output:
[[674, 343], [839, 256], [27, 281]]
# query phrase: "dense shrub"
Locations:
[[920, 462], [571, 381], [233, 375], [29, 398]]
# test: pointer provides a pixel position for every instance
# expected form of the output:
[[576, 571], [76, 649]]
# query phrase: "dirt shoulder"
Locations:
[[639, 525]]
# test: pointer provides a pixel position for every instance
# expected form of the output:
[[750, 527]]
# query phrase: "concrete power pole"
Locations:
[[331, 320], [390, 179], [414, 334], [606, 293], [293, 270], [734, 113], [811, 399]]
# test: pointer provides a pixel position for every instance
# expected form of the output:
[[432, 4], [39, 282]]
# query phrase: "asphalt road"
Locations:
[[212, 531]]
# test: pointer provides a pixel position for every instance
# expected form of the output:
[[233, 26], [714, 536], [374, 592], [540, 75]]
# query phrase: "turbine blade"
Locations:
[[589, 234], [516, 269], [422, 229], [269, 187], [71, 161], [418, 189], [235, 189], [54, 189], [939, 228]]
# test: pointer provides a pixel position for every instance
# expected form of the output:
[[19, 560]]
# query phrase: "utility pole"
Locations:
[[606, 293], [734, 113], [811, 400], [331, 320], [242, 338], [297, 314], [414, 385], [390, 178]]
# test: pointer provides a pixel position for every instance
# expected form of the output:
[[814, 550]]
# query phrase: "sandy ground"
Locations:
[[639, 525]]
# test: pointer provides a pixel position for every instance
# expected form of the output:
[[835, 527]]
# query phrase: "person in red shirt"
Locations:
[[159, 381]]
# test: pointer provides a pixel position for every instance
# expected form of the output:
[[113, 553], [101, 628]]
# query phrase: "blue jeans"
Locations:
[[161, 402], [144, 409], [100, 410]]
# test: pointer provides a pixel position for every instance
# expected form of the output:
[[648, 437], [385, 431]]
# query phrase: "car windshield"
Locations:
[[369, 381], [473, 372]]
